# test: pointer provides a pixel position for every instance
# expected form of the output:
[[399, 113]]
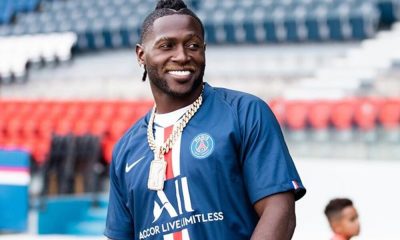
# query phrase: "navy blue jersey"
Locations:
[[230, 155]]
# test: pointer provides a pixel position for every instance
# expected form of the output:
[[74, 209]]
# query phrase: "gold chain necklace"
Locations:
[[158, 166]]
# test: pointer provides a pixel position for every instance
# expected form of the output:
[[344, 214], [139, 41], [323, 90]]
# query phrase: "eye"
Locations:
[[166, 45], [193, 46]]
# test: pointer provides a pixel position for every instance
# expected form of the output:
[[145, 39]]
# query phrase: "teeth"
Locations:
[[180, 73]]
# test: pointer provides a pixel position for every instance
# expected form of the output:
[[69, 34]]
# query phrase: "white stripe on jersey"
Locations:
[[185, 234], [169, 236]]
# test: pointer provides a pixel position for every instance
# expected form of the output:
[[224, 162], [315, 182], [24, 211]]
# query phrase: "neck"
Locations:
[[166, 103]]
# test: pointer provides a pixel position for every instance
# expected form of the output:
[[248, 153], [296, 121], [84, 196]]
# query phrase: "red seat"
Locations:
[[389, 115], [99, 127], [107, 111], [142, 108], [319, 114], [30, 127], [296, 115], [46, 128], [41, 109], [342, 114], [56, 111], [108, 146], [73, 110], [278, 108], [366, 113], [118, 128], [25, 109], [126, 111], [89, 111], [64, 126], [41, 150], [14, 127], [81, 127]]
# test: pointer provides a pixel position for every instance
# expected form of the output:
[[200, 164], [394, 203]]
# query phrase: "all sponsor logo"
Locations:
[[179, 220]]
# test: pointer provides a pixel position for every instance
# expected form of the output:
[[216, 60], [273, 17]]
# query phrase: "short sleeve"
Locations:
[[267, 165], [119, 223]]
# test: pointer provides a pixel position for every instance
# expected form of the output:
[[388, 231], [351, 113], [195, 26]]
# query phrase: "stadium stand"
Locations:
[[18, 52], [24, 124], [114, 24]]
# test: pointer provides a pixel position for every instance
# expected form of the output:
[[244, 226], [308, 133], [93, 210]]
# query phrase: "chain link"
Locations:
[[159, 151]]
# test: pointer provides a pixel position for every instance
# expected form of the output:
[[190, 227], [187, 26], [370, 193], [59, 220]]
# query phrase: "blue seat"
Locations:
[[220, 26], [388, 11], [225, 33], [251, 29], [270, 30], [313, 28], [291, 27], [335, 23], [277, 31], [130, 31], [364, 22], [254, 26], [210, 32], [6, 12]]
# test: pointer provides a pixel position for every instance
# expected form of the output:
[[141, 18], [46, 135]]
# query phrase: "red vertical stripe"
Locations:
[[168, 156], [178, 235]]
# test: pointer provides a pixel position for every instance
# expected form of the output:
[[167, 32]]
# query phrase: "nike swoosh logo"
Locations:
[[129, 167]]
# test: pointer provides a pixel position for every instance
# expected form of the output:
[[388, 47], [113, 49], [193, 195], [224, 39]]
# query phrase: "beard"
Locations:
[[162, 84]]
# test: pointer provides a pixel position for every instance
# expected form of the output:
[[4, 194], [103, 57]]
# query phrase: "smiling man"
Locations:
[[205, 163]]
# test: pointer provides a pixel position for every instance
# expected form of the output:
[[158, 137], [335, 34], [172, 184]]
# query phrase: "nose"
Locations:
[[181, 54]]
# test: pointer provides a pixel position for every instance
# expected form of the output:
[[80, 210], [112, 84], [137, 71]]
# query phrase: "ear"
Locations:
[[140, 54]]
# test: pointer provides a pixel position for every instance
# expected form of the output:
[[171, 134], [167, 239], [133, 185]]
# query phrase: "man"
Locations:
[[206, 163]]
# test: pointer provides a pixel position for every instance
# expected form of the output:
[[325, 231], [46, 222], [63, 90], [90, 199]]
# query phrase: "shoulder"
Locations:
[[244, 104], [234, 97], [238, 101]]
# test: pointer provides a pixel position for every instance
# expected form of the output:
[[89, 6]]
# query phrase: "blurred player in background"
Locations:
[[205, 163], [343, 218]]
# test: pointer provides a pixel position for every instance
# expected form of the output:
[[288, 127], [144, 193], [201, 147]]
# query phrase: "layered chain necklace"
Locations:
[[158, 166]]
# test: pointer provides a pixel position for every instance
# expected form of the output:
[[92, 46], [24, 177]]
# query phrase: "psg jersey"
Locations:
[[230, 155]]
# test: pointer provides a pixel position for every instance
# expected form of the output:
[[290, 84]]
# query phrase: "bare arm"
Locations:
[[277, 217]]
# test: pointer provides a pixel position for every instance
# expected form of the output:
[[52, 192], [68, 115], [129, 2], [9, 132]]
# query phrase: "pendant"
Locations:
[[157, 173]]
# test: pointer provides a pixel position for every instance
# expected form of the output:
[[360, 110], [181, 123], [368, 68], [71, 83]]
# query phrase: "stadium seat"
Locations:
[[14, 127], [107, 147], [389, 114], [365, 115], [99, 127], [64, 126], [141, 108], [118, 127], [30, 127], [319, 114], [46, 128], [389, 118], [318, 117], [296, 115], [82, 127], [342, 118], [278, 107]]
